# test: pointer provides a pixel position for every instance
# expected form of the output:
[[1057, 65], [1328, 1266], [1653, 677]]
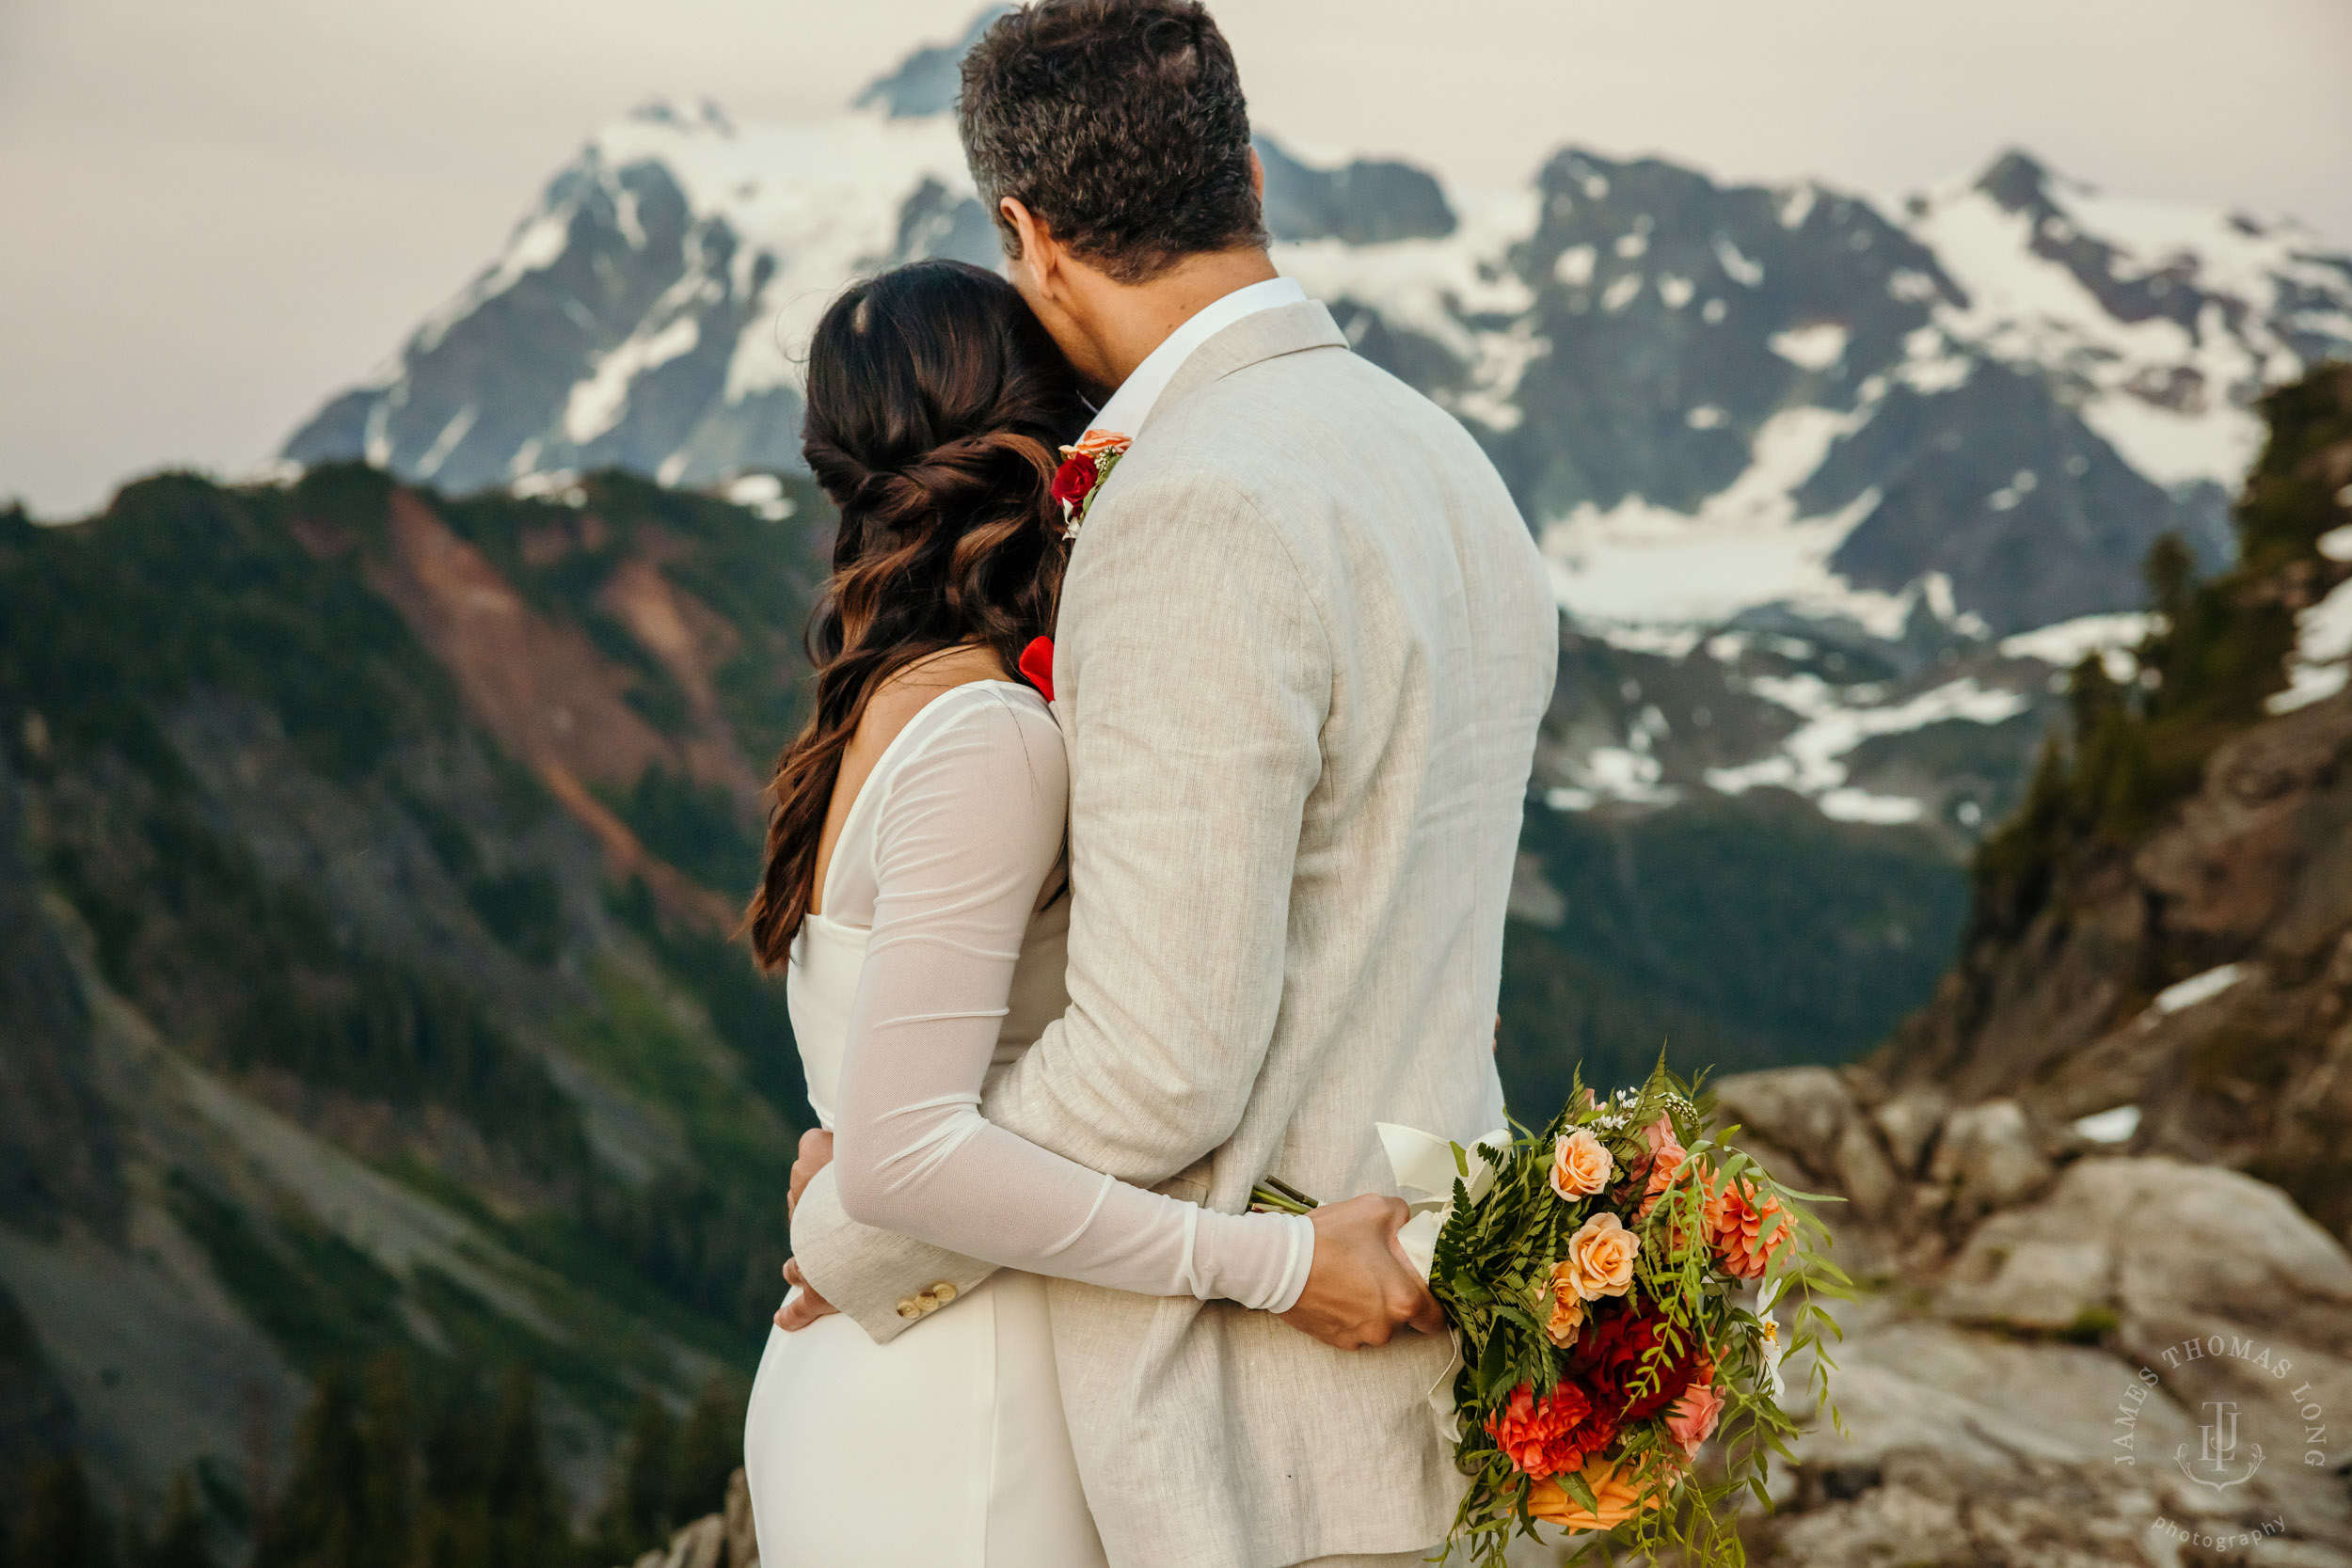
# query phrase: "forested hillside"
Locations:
[[370, 863]]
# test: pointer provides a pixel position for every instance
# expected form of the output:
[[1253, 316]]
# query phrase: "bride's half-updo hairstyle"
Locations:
[[936, 404]]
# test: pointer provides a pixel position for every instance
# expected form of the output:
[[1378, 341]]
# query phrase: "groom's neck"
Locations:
[[1125, 321]]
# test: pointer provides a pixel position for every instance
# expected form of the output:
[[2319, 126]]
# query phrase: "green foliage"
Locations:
[[364, 1494], [746, 1008], [637, 1514], [388, 1032], [711, 1450], [185, 593], [2092, 1326], [523, 909], [321, 1300], [1746, 932], [62, 1526], [182, 586], [694, 828], [180, 1539], [2217, 651]]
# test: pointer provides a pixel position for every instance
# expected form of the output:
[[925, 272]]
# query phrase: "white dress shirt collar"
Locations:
[[1128, 407]]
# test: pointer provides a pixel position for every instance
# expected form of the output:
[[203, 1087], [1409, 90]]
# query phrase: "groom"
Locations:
[[1304, 644]]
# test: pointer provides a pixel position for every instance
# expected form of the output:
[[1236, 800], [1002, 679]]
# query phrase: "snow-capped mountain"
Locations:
[[1827, 490]]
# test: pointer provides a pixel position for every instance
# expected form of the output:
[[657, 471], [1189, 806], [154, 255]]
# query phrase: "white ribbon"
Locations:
[[1425, 1172]]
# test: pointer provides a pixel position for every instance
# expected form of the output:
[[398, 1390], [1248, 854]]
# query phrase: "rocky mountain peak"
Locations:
[[927, 81]]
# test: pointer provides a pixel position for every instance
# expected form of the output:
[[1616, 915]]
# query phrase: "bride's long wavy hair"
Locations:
[[936, 405]]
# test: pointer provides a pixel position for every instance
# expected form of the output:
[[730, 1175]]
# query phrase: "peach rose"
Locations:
[[1567, 1308], [1616, 1494], [1580, 1165], [1600, 1259], [1692, 1421], [1743, 1232], [1666, 1155]]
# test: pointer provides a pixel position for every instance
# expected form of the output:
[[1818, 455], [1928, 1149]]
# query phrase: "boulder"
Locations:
[[1909, 1122], [1989, 1157], [700, 1544], [743, 1538], [1806, 1127]]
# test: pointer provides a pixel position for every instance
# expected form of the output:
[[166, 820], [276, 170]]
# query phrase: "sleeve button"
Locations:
[[910, 1307], [945, 1291]]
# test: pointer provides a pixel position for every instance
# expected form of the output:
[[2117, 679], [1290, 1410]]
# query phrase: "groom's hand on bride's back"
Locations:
[[1361, 1290]]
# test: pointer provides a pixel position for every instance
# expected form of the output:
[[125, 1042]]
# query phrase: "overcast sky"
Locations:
[[214, 212]]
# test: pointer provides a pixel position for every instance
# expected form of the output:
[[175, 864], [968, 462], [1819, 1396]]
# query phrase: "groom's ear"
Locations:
[[1257, 177], [1034, 249]]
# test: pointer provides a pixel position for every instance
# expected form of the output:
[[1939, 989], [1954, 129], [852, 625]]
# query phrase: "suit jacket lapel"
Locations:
[[1252, 340]]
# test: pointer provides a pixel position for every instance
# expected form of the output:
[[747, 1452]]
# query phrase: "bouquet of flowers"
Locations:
[[1621, 1287]]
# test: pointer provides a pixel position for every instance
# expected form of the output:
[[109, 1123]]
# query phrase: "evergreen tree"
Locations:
[[180, 1543], [388, 1467], [637, 1516], [62, 1527], [526, 1521], [455, 1531], [709, 1450], [320, 1520]]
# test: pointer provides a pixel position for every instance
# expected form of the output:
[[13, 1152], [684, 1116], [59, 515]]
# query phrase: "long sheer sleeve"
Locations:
[[967, 832]]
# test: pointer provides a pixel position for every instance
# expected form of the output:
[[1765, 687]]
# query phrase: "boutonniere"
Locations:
[[1037, 665], [1082, 470]]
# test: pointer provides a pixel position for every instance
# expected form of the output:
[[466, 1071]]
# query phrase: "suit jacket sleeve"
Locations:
[[865, 1271], [1194, 674]]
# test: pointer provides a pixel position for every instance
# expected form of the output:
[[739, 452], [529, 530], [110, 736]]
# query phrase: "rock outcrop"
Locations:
[[2060, 1354]]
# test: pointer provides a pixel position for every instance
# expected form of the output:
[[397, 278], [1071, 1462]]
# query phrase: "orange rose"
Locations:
[[1600, 1259], [1743, 1232], [1692, 1421], [1567, 1308], [1616, 1494], [1580, 1165], [1666, 1156]]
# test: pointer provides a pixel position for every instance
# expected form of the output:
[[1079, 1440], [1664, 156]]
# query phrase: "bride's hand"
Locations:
[[816, 1154], [804, 1306]]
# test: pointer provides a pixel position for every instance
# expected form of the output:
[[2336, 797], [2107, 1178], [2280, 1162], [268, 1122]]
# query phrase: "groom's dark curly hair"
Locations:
[[1120, 124]]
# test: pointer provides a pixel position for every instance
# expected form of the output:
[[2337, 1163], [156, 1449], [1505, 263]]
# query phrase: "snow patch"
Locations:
[[2109, 1126], [2172, 397], [595, 404], [2197, 988], [1811, 761], [2065, 644], [1736, 266], [763, 494], [1814, 346], [2323, 641], [1638, 564]]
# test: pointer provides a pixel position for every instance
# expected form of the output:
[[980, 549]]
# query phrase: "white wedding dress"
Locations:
[[930, 967]]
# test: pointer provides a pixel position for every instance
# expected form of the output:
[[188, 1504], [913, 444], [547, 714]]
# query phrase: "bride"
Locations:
[[915, 894]]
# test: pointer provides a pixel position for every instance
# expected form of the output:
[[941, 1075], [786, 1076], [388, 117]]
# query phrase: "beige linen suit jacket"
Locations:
[[1305, 642]]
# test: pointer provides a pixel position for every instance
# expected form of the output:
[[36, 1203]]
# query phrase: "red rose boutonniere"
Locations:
[[1084, 468], [1037, 665]]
